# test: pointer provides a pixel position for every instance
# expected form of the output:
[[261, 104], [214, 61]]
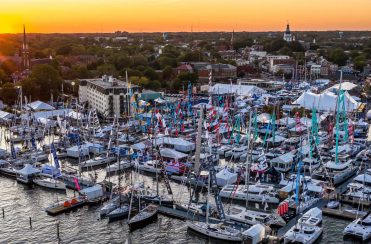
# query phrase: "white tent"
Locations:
[[326, 101], [225, 177], [240, 90], [39, 105], [346, 86]]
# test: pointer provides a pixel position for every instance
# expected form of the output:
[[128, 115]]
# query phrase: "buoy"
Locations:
[[66, 204]]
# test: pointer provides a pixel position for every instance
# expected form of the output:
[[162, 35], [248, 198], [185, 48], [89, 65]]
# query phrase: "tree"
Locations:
[[338, 56], [167, 72], [3, 77], [186, 77], [64, 50], [107, 69], [46, 80], [9, 66], [166, 61], [150, 74], [139, 60], [359, 62], [247, 42], [8, 93], [121, 61]]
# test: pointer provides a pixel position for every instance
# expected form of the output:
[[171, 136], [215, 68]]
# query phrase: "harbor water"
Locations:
[[84, 226], [20, 203]]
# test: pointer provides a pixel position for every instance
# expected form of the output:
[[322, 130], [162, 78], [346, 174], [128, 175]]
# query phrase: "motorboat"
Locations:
[[336, 172], [333, 204], [360, 228], [216, 231], [310, 164]]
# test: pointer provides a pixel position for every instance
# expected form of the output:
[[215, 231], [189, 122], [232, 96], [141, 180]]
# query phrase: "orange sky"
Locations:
[[45, 16]]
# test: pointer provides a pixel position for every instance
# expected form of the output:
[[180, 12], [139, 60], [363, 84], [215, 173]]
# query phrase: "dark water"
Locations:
[[84, 226]]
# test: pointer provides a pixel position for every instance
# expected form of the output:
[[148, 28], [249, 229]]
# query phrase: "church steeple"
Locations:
[[287, 36], [25, 57]]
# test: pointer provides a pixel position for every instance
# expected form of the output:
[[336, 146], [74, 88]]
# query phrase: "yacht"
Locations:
[[255, 193], [310, 164], [216, 231], [302, 233], [250, 217], [223, 149], [312, 217], [307, 229], [97, 161], [236, 152], [360, 228], [358, 191], [337, 172], [50, 183]]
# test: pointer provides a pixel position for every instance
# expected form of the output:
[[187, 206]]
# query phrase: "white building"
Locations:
[[109, 96], [287, 36], [273, 57], [315, 69]]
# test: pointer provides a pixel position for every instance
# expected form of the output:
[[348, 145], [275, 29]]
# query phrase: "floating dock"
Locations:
[[61, 208], [341, 214]]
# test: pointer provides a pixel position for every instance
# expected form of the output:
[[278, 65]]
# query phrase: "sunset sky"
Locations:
[[44, 16]]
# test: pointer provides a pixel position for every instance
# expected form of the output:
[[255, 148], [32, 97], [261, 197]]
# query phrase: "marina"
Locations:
[[254, 190]]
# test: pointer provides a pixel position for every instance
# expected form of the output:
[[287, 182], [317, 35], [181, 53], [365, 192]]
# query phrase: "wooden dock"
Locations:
[[355, 202], [341, 214]]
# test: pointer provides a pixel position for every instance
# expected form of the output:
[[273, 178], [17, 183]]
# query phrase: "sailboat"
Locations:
[[145, 216]]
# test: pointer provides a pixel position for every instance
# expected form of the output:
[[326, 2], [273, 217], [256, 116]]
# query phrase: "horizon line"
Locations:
[[212, 31]]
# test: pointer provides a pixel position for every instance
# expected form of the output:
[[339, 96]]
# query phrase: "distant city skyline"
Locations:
[[79, 16]]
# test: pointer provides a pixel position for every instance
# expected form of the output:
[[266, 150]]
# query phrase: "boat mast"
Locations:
[[198, 141], [247, 163]]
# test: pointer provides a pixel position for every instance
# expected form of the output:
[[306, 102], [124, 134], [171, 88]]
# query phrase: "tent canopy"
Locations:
[[240, 90], [39, 105], [326, 101]]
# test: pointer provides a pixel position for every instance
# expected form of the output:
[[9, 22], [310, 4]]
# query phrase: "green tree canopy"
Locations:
[[338, 56], [8, 93], [46, 80]]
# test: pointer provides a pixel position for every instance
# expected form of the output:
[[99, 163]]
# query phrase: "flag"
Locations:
[[77, 183]]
